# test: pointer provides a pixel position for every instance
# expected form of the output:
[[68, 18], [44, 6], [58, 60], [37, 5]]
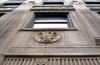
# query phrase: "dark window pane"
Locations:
[[17, 0], [98, 12], [1, 14], [53, 3], [93, 3], [50, 20], [11, 4], [53, 0]]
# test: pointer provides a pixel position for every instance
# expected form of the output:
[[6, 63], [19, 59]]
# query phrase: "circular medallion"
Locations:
[[47, 37]]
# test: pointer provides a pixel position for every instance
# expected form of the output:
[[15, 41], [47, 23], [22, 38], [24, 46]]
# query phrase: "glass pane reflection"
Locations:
[[51, 19], [50, 26]]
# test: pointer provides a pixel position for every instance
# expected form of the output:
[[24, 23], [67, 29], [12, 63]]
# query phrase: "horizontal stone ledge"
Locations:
[[48, 29], [54, 54], [69, 9], [6, 10], [54, 50], [56, 46], [53, 6]]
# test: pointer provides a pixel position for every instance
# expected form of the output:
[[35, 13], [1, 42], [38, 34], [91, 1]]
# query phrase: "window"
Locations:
[[93, 3], [98, 12], [50, 20], [53, 3], [91, 0], [1, 14], [17, 0], [11, 4], [53, 0]]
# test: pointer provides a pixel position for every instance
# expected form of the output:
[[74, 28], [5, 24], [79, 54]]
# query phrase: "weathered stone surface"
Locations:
[[54, 50]]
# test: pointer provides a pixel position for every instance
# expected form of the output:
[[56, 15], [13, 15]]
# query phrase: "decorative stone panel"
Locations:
[[51, 61], [52, 8]]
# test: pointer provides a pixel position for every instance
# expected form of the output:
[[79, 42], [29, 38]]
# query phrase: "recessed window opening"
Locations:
[[53, 3], [1, 14], [10, 5], [53, 0], [17, 0], [93, 3], [98, 13], [50, 20], [91, 0]]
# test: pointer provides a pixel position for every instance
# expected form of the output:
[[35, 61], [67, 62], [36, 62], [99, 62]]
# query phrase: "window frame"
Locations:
[[98, 12], [1, 14], [53, 3], [17, 0], [92, 3], [14, 4], [69, 22]]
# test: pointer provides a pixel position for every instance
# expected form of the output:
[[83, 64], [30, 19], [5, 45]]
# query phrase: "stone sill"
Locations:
[[48, 29]]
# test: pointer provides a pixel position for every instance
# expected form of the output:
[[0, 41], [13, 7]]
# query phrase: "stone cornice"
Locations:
[[52, 8], [94, 7], [6, 9]]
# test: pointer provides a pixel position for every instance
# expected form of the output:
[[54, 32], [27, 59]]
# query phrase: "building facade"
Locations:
[[49, 32]]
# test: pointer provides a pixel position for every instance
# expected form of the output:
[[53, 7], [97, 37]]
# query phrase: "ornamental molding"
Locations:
[[6, 9], [48, 8], [94, 7], [77, 3], [47, 37], [41, 61], [33, 2]]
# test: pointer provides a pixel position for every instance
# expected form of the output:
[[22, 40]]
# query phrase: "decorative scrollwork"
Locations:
[[47, 37], [41, 62]]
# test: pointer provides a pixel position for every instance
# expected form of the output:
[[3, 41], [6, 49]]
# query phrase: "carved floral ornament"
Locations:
[[41, 61], [47, 37]]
